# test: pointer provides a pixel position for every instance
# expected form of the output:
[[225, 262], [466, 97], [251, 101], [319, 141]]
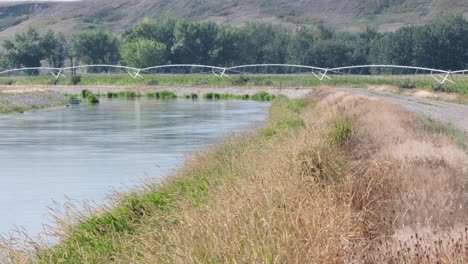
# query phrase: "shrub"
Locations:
[[85, 93], [167, 95], [263, 96], [75, 79], [201, 83], [191, 96], [241, 80], [92, 99], [407, 85], [19, 109], [153, 82], [210, 96], [127, 94], [161, 95], [111, 95], [154, 95]]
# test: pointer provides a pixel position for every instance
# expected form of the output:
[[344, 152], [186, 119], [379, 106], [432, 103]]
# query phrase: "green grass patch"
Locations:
[[341, 131], [458, 137]]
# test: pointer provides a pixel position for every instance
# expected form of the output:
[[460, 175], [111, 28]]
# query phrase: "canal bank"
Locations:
[[337, 178], [19, 102], [292, 93]]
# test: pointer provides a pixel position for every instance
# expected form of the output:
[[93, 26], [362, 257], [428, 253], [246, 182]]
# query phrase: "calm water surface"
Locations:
[[84, 152]]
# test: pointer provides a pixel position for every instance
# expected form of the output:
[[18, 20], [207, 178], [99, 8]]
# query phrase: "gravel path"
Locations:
[[456, 114], [20, 102]]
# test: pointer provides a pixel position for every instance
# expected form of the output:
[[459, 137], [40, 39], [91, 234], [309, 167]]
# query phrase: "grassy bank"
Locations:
[[457, 136], [329, 180], [168, 95], [306, 80]]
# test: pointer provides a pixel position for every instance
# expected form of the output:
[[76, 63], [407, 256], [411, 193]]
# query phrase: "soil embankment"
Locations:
[[335, 178]]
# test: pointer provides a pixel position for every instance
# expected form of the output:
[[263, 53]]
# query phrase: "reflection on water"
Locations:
[[84, 152]]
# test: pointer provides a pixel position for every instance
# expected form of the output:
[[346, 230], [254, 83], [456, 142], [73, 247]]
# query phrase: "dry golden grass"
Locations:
[[356, 181]]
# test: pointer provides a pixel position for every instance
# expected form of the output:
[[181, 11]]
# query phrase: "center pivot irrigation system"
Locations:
[[441, 76]]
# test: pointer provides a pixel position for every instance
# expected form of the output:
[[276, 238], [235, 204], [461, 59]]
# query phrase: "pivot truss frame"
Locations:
[[441, 76]]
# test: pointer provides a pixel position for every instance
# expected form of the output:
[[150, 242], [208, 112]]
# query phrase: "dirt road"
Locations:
[[456, 114]]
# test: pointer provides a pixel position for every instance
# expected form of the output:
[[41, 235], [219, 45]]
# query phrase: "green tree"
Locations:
[[29, 48], [95, 47], [54, 46], [300, 50], [442, 44], [159, 31], [263, 43], [142, 53], [24, 50], [227, 47], [194, 42]]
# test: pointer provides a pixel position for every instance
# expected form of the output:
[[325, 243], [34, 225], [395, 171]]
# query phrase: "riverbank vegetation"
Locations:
[[328, 180], [167, 95]]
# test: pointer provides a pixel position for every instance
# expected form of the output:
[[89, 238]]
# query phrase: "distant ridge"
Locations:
[[118, 15]]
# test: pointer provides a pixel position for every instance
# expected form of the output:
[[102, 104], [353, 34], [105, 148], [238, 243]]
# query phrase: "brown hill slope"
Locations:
[[117, 15]]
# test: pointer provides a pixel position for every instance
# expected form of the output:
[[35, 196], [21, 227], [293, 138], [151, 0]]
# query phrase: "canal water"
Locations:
[[85, 152]]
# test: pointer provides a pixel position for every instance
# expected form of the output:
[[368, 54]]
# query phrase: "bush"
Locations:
[[263, 96], [201, 83], [407, 85], [153, 82], [211, 96], [154, 95], [85, 93], [167, 95], [7, 82], [111, 95], [19, 109], [161, 95], [92, 99], [191, 96], [75, 79], [242, 80]]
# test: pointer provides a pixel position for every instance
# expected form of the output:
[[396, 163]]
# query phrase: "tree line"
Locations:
[[442, 44]]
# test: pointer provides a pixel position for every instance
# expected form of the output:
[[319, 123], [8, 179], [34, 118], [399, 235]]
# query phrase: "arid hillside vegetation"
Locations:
[[346, 15]]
